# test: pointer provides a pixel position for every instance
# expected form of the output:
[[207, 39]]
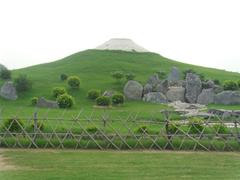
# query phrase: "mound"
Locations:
[[121, 44]]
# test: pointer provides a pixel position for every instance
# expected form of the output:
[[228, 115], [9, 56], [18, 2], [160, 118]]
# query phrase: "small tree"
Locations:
[[118, 75], [130, 76], [5, 74], [34, 101], [63, 77], [22, 83], [103, 101], [57, 91], [230, 85], [65, 101], [74, 82]]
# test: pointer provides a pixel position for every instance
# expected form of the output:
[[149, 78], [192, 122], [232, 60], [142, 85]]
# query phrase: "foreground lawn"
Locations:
[[56, 164]]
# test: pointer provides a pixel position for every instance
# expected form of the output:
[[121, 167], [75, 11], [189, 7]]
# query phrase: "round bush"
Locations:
[[103, 101], [173, 128], [65, 101], [130, 76], [118, 75], [14, 125], [93, 94], [22, 83], [196, 125], [57, 91], [230, 85], [5, 74], [63, 77], [118, 99], [34, 101], [92, 129], [74, 82]]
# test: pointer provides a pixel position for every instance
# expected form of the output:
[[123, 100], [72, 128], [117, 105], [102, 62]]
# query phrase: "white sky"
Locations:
[[203, 32]]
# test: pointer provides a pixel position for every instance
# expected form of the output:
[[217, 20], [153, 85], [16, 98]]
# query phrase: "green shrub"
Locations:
[[118, 99], [40, 126], [5, 74], [57, 91], [196, 125], [63, 77], [14, 125], [74, 82], [34, 101], [230, 85], [216, 81], [22, 83], [173, 128], [142, 129], [162, 74], [103, 101], [65, 101], [130, 76], [238, 82], [118, 75], [92, 129], [220, 128], [93, 94]]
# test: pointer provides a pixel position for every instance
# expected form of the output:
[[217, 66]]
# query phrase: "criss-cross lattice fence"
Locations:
[[104, 129]]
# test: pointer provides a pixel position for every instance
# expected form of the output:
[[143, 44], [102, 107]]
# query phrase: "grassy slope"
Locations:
[[65, 165], [94, 67]]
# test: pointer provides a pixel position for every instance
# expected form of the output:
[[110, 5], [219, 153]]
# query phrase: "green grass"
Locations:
[[106, 165], [94, 68]]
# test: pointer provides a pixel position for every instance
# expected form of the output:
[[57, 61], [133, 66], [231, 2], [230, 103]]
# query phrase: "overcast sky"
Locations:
[[202, 32]]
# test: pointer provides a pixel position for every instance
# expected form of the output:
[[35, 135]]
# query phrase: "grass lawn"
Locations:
[[56, 164]]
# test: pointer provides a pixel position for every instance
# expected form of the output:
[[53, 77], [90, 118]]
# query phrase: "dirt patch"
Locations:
[[4, 165]]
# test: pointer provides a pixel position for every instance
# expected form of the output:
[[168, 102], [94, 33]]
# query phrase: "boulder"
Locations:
[[174, 75], [147, 88], [133, 90], [154, 80], [193, 87], [180, 83], [155, 97], [176, 94], [8, 91], [163, 87], [227, 98], [206, 97], [42, 102]]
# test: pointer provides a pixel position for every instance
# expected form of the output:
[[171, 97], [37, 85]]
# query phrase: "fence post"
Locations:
[[35, 122]]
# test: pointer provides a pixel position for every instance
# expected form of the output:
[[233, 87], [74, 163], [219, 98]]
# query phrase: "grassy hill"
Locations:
[[94, 67]]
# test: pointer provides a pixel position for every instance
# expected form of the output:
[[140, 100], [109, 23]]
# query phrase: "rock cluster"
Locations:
[[191, 90], [42, 102]]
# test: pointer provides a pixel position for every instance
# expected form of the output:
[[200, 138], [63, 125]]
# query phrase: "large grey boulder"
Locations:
[[154, 80], [206, 97], [162, 87], [176, 94], [155, 97], [42, 102], [8, 91], [147, 88], [193, 87], [133, 90], [174, 75], [227, 98]]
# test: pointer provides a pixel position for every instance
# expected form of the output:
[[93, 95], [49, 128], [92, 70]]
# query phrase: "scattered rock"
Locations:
[[155, 97], [147, 88], [108, 93], [224, 113], [174, 75], [42, 102], [193, 87], [206, 97], [154, 80], [8, 91], [227, 98], [163, 87], [133, 90], [176, 94]]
